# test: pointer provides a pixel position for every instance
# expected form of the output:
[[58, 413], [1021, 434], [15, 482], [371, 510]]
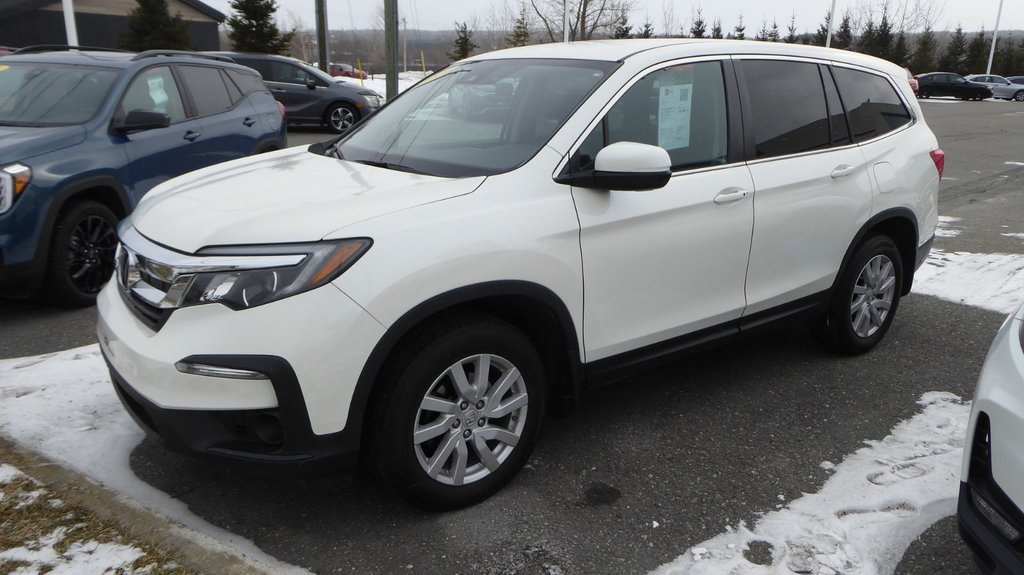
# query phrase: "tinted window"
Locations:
[[233, 90], [247, 82], [209, 93], [681, 109], [788, 107], [261, 66], [153, 90], [836, 117], [872, 103], [287, 73]]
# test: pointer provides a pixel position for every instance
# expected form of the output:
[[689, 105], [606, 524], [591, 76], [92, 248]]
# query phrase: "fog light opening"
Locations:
[[267, 428], [1008, 531], [215, 371]]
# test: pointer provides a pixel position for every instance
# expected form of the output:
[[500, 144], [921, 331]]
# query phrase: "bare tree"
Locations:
[[501, 18], [586, 17], [668, 16]]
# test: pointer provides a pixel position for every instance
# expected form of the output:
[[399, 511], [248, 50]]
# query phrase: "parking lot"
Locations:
[[651, 466]]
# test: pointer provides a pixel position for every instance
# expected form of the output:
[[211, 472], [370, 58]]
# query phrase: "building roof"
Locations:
[[9, 8]]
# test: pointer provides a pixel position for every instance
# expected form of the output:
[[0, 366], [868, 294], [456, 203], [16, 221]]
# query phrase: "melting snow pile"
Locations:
[[879, 500], [991, 281]]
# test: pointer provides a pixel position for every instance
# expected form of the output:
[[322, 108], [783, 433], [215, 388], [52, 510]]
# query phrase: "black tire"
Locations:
[[340, 117], [421, 367], [922, 94], [837, 328], [1019, 96], [81, 257]]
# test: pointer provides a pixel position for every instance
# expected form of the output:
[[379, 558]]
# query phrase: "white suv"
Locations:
[[511, 231]]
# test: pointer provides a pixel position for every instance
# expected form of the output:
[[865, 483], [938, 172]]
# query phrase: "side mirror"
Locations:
[[626, 166], [139, 120], [311, 83]]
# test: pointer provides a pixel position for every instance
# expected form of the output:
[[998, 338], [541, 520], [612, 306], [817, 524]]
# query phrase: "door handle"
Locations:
[[248, 121], [281, 90], [191, 136], [842, 171], [730, 195]]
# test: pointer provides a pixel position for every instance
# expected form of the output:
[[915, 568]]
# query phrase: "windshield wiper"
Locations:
[[390, 166]]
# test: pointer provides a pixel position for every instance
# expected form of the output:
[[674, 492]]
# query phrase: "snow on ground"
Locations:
[[45, 554], [63, 406], [946, 228], [379, 84], [877, 502], [990, 281]]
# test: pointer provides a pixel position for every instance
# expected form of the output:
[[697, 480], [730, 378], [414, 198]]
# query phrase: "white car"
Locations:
[[1001, 87], [991, 507], [425, 286]]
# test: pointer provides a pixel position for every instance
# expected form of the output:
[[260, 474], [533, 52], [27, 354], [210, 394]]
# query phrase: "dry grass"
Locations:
[[30, 511]]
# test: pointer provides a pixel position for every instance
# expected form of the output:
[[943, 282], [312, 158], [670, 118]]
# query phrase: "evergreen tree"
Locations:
[[520, 35], [977, 54], [463, 45], [151, 26], [923, 60], [866, 41], [622, 27], [773, 34], [955, 58], [821, 35], [251, 27], [791, 30], [740, 31], [1009, 57], [699, 27], [716, 28], [900, 53], [762, 34], [647, 31], [843, 37], [882, 46]]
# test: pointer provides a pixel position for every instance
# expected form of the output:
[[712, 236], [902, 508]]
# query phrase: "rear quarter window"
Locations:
[[246, 82], [871, 103]]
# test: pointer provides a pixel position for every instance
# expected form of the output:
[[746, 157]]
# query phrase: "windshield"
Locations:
[[34, 94], [475, 119]]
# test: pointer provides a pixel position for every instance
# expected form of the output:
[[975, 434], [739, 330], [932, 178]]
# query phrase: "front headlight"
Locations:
[[241, 289], [373, 98], [14, 178], [239, 277]]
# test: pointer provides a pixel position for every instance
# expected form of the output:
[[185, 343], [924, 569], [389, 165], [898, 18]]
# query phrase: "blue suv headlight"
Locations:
[[14, 178]]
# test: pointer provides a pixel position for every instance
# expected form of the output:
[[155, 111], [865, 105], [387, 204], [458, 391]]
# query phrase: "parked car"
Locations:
[[347, 71], [949, 84], [991, 506], [428, 283], [84, 135], [4, 50], [914, 85], [309, 95], [1016, 79], [1001, 87]]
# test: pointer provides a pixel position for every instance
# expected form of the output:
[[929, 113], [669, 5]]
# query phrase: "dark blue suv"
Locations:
[[85, 134]]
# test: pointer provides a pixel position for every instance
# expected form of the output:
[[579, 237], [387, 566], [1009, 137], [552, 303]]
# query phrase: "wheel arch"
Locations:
[[900, 224], [535, 310], [106, 190]]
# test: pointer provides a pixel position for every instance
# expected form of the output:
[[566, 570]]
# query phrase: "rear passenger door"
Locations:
[[812, 190], [229, 123]]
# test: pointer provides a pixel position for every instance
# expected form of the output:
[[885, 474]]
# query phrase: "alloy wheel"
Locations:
[[873, 295], [90, 254], [470, 419], [342, 118]]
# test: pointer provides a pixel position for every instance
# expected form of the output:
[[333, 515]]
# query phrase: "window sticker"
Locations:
[[157, 93], [674, 116]]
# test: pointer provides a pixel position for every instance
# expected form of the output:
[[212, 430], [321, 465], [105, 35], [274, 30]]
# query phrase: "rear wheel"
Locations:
[[1019, 96], [81, 257], [865, 299], [460, 411]]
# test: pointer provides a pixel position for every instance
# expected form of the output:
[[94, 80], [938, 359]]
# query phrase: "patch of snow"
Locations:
[[9, 473], [1015, 163], [946, 229], [65, 408], [1019, 236], [990, 281], [880, 499], [379, 84], [79, 557]]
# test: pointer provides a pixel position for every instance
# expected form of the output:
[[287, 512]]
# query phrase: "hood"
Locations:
[[282, 197], [19, 143]]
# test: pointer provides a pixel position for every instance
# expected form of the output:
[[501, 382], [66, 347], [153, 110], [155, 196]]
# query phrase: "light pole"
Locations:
[[831, 18], [995, 34], [69, 23], [565, 21]]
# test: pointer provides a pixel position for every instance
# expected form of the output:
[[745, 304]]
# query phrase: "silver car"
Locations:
[[1001, 87]]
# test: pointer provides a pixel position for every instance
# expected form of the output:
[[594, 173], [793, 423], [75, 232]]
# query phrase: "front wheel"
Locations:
[[340, 117], [81, 257], [865, 298], [460, 411]]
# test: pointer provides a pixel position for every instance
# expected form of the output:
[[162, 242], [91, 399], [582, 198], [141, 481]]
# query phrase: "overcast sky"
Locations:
[[440, 14]]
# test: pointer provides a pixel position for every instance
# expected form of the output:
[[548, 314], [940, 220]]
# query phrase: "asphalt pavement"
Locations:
[[699, 445]]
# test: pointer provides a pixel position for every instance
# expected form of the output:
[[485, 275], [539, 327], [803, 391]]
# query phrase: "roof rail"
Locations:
[[61, 48], [157, 53]]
